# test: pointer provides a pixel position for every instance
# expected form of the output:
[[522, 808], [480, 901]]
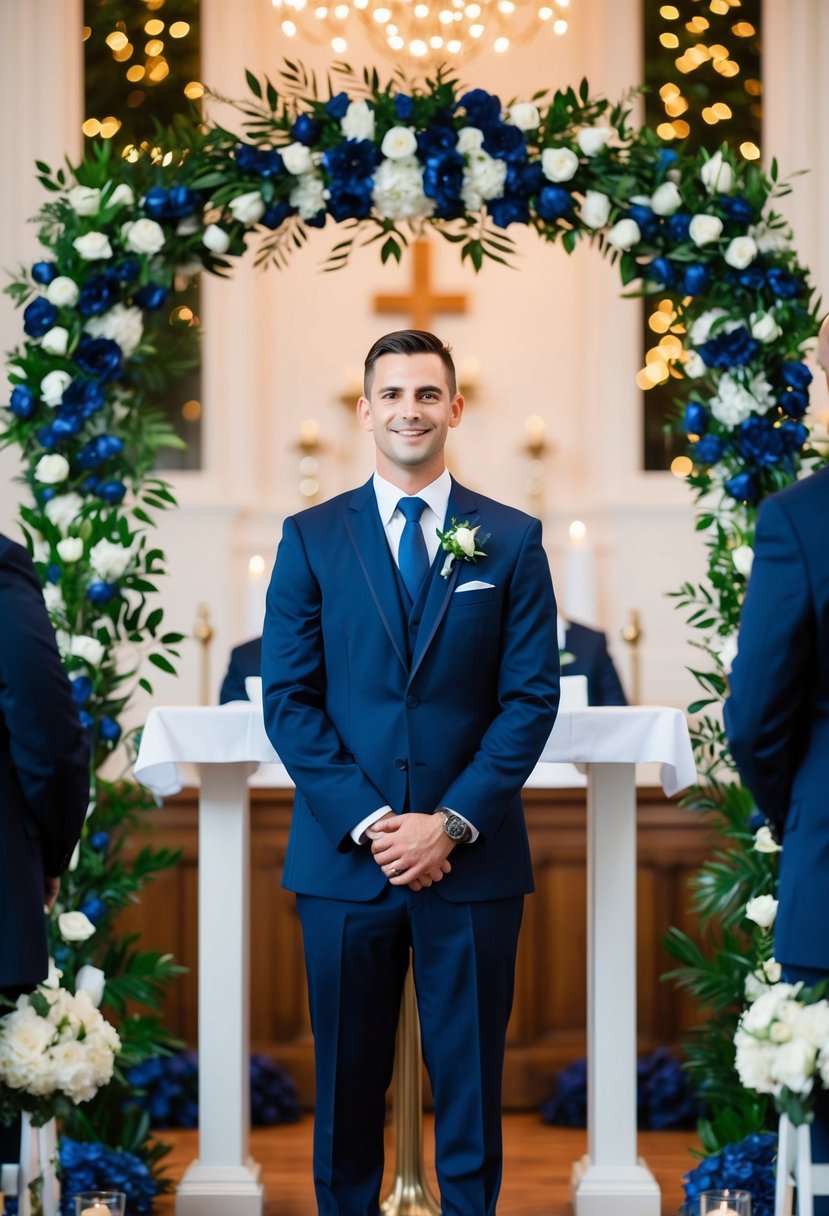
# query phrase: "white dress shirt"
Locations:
[[436, 497]]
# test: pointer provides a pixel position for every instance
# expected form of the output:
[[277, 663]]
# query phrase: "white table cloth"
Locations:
[[225, 745]]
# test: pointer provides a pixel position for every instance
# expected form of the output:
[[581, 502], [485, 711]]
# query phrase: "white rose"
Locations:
[[398, 191], [743, 558], [248, 208], [70, 549], [53, 386], [764, 327], [470, 139], [55, 340], [91, 980], [53, 599], [52, 469], [592, 139], [772, 970], [109, 560], [143, 236], [84, 200], [812, 1023], [741, 252], [693, 365], [666, 199], [483, 179], [216, 239], [62, 292], [399, 143], [794, 1066], [735, 401], [358, 122], [717, 175], [297, 158], [53, 977], [466, 539], [753, 1062], [701, 329], [75, 926], [754, 986], [122, 196], [524, 115], [771, 240], [705, 228], [308, 195], [93, 246], [63, 510], [559, 164], [779, 1032], [624, 234], [86, 648], [762, 910], [595, 209], [123, 323], [727, 653], [764, 842]]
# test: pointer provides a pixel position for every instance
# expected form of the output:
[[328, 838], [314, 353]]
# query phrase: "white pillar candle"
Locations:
[[580, 576], [255, 589]]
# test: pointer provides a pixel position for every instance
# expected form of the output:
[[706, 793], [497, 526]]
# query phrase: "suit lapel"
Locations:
[[461, 507], [362, 522]]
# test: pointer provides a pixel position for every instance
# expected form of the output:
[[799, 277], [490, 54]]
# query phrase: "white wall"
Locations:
[[553, 338]]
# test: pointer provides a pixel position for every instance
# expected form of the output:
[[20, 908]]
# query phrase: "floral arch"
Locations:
[[699, 230]]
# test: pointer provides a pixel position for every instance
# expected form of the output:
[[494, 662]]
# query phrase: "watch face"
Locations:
[[454, 827]]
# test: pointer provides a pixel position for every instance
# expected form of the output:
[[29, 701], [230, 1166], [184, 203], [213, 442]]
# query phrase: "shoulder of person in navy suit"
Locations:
[[593, 659], [245, 660]]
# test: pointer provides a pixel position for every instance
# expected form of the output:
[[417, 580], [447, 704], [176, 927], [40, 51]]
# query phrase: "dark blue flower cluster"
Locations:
[[664, 1096], [351, 166], [169, 1090], [733, 349], [746, 1166], [173, 203], [92, 1167], [259, 162], [272, 1093]]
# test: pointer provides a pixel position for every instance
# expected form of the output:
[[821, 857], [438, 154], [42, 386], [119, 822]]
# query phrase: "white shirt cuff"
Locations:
[[471, 826], [358, 834]]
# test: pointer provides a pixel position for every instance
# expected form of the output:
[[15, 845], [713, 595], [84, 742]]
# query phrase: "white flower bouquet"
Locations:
[[55, 1048]]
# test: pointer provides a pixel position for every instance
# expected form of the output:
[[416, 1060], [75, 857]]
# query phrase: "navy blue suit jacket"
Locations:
[[777, 715], [44, 768], [245, 660], [591, 658], [369, 707]]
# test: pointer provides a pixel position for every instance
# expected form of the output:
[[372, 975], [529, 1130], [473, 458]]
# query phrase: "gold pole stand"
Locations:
[[410, 1194], [203, 633], [632, 634]]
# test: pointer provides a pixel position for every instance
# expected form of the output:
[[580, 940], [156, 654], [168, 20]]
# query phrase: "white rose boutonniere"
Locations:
[[461, 543]]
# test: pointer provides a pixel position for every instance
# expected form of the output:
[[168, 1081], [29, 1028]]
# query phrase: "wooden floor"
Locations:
[[537, 1160]]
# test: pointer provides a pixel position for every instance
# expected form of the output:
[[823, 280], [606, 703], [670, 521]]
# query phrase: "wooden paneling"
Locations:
[[548, 1023]]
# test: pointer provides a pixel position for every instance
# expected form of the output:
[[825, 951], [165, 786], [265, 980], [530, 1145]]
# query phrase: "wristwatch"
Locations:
[[456, 829]]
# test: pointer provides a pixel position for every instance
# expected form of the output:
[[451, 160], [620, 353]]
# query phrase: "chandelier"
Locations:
[[436, 31]]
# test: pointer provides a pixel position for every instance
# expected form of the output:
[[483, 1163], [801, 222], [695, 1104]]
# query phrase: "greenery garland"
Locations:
[[388, 164]]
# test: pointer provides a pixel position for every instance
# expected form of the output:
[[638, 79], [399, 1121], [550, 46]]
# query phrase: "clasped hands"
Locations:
[[412, 850]]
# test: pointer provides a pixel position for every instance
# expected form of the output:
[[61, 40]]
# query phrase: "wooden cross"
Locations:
[[421, 302]]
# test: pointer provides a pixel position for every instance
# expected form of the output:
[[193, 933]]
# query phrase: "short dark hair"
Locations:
[[410, 342]]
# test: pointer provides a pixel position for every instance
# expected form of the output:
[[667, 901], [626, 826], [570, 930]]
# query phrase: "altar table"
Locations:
[[220, 748]]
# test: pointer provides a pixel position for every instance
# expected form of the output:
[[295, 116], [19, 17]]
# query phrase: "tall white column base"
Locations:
[[601, 1190], [211, 1190]]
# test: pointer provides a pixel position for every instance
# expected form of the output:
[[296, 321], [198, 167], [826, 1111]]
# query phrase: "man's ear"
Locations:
[[456, 407], [364, 414]]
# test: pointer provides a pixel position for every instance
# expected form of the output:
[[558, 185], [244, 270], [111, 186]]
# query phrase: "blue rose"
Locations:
[[795, 374], [794, 402], [737, 208], [67, 424], [44, 272], [505, 142], [510, 209], [126, 269], [349, 199], [661, 271], [109, 730], [151, 297], [83, 395], [442, 181], [94, 907], [696, 279], [696, 419], [678, 226], [554, 202], [99, 841], [101, 593], [743, 487], [90, 484], [22, 402], [403, 107], [49, 439], [109, 446], [276, 215], [96, 296], [86, 719], [667, 157], [181, 202], [708, 450], [155, 203], [100, 357], [39, 316], [752, 278], [760, 442], [783, 284], [111, 491], [481, 108], [306, 129], [81, 690], [644, 217], [526, 178], [337, 105], [434, 141], [246, 157], [354, 160], [732, 349], [793, 435]]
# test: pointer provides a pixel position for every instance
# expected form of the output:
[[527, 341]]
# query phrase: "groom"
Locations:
[[409, 697]]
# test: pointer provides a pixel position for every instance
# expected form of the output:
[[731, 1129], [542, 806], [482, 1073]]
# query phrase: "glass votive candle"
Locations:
[[723, 1203], [100, 1203]]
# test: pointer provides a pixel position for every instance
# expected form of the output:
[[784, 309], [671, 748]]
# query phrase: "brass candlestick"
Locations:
[[410, 1194], [536, 447], [632, 635], [203, 633]]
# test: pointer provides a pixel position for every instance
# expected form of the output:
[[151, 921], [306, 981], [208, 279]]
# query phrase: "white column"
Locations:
[[610, 1180], [224, 1178]]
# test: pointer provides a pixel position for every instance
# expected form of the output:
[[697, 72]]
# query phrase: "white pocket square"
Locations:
[[475, 585]]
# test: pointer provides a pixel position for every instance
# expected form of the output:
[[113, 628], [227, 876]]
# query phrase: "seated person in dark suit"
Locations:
[[588, 646], [591, 658]]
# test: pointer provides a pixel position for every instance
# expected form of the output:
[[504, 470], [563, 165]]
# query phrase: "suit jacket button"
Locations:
[[400, 762], [412, 702]]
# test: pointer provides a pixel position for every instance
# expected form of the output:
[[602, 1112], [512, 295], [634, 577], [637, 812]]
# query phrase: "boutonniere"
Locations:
[[565, 657], [461, 544]]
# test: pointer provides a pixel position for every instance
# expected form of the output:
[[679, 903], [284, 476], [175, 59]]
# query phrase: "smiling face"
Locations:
[[409, 410]]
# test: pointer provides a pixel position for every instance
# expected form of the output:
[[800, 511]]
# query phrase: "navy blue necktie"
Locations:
[[412, 556]]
